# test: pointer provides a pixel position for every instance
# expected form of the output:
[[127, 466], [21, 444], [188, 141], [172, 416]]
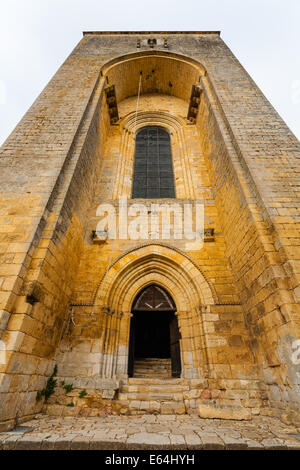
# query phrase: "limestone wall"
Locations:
[[239, 157], [215, 343]]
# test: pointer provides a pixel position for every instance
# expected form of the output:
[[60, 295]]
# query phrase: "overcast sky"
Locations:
[[37, 35]]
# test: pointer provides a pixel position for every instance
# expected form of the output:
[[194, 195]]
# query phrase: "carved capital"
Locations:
[[106, 310], [127, 314]]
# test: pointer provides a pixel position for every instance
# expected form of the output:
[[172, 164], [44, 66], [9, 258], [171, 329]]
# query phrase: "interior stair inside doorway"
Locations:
[[152, 367]]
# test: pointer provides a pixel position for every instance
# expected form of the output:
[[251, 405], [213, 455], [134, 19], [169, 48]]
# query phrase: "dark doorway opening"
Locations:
[[154, 329]]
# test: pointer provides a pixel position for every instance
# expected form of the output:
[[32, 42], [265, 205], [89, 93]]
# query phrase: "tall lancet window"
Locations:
[[153, 170]]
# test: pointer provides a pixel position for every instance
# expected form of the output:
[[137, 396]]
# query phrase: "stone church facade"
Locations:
[[150, 325]]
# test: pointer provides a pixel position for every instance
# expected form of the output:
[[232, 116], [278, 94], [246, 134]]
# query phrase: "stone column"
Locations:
[[198, 342], [123, 345], [105, 312], [193, 352], [109, 346], [116, 334], [185, 343], [203, 352]]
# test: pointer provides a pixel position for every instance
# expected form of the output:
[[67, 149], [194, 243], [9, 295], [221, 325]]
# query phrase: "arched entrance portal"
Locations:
[[154, 334], [135, 270]]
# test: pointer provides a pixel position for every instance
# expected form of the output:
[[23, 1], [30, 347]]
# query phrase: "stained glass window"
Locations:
[[153, 170]]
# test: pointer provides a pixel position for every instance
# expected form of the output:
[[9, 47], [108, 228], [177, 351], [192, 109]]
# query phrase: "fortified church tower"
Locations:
[[146, 130]]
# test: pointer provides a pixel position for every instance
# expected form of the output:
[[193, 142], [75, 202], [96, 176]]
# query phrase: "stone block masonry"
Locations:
[[237, 299]]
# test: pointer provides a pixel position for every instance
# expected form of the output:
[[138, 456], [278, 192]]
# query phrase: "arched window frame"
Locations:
[[153, 173]]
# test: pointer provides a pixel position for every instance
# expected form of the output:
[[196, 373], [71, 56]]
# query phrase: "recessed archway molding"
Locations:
[[182, 279]]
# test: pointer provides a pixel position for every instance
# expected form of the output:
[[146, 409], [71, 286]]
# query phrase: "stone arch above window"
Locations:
[[176, 127], [153, 175]]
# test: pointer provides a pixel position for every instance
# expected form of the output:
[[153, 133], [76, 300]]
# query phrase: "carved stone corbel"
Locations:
[[194, 103]]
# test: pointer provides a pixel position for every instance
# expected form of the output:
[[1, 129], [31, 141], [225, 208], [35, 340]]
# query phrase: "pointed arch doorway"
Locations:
[[154, 333]]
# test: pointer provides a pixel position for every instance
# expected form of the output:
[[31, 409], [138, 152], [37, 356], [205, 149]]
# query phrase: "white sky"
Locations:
[[37, 35]]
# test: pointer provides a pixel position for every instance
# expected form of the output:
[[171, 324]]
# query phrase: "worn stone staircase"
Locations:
[[153, 395], [152, 390], [152, 367]]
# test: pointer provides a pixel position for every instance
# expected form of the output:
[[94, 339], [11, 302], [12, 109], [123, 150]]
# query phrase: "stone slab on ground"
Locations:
[[218, 412], [150, 432]]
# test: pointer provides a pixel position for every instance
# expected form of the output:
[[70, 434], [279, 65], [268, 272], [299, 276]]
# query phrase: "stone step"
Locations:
[[152, 396], [153, 360], [157, 381], [154, 391], [155, 388], [152, 367], [152, 375], [141, 407], [151, 372], [143, 365], [140, 375], [118, 407], [157, 367]]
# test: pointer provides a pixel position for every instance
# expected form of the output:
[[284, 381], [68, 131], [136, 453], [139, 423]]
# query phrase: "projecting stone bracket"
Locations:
[[194, 103], [111, 101], [209, 235], [33, 292], [99, 237], [152, 42]]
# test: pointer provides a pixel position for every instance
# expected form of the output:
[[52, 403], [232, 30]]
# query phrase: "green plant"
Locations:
[[70, 404], [39, 394], [50, 387], [68, 388], [82, 394]]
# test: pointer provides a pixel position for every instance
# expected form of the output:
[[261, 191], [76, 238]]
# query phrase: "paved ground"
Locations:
[[150, 432]]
